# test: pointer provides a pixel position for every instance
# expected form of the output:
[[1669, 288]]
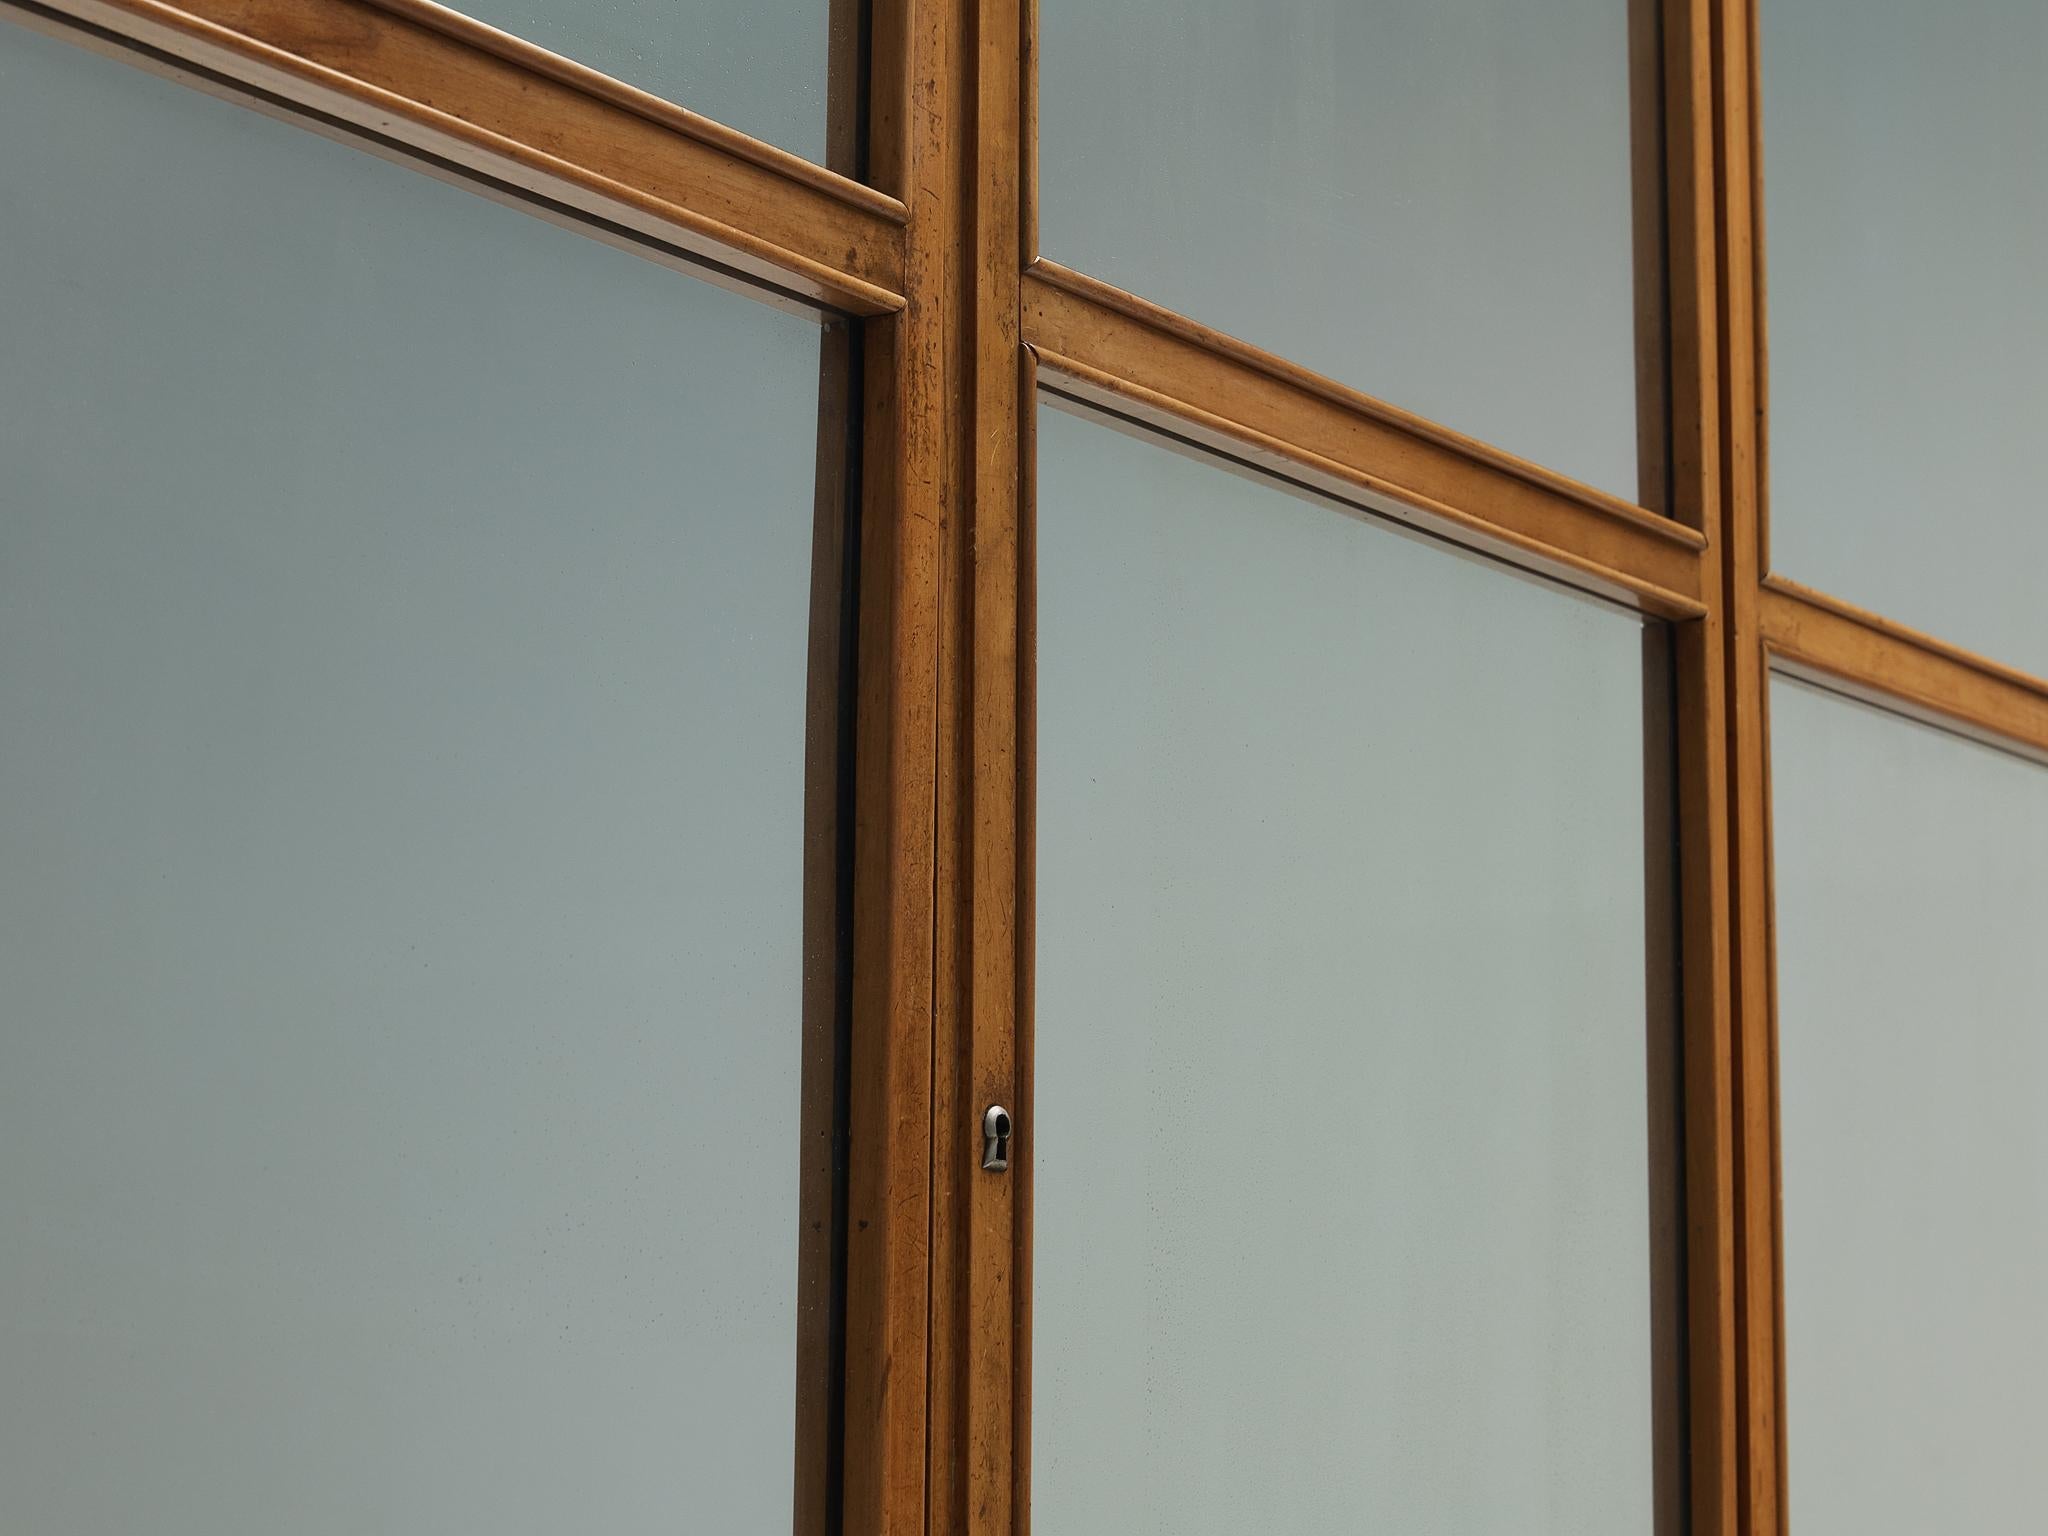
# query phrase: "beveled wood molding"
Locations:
[[1706, 868], [413, 73], [1691, 241], [1808, 633], [537, 60], [1758, 1361], [899, 1368], [1127, 356]]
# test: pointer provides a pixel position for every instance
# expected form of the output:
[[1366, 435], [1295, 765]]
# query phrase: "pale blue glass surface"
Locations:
[[755, 65], [403, 614], [1429, 200], [1907, 200], [1911, 896], [1342, 1193]]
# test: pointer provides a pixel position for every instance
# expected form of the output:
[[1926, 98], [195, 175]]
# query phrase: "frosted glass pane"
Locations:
[[1429, 200], [756, 65], [1908, 224], [1912, 896], [1345, 1024], [402, 648]]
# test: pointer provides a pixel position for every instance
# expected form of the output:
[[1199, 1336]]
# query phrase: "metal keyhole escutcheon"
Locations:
[[995, 1139]]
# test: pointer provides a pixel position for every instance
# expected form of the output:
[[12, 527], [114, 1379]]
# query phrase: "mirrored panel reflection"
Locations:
[[1908, 232], [403, 616], [1354, 1097], [1911, 898], [1437, 202]]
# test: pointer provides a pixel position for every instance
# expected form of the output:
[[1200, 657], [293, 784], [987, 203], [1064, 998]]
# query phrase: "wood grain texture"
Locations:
[[1691, 235], [1129, 357], [1700, 661], [940, 155], [1027, 148], [411, 73], [976, 1215], [1664, 1092], [1759, 289], [827, 735], [1759, 1371], [1649, 221], [1026, 861], [887, 1278], [889, 1155], [940, 254], [1027, 910], [994, 766], [828, 867], [1813, 635], [1707, 1014], [894, 1371]]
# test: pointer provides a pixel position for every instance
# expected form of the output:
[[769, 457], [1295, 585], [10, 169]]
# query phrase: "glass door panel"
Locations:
[[1911, 897], [403, 624], [1354, 1092]]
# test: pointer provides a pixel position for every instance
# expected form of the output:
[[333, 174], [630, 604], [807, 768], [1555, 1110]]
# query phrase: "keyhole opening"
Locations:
[[995, 1139]]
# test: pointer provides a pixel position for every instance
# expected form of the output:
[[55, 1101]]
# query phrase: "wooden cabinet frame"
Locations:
[[962, 322]]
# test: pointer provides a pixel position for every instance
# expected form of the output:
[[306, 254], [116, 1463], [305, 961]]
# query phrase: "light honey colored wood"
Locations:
[[977, 1235], [1649, 221], [1112, 350], [896, 1372], [1664, 1093], [1027, 913], [414, 74], [1691, 245], [821, 1214], [1758, 1368], [1813, 635], [936, 182], [828, 865], [1699, 725], [961, 324], [1706, 1014], [888, 1282]]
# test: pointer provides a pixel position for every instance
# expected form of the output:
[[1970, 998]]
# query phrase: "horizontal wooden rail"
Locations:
[[435, 82], [1117, 352], [1808, 633]]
